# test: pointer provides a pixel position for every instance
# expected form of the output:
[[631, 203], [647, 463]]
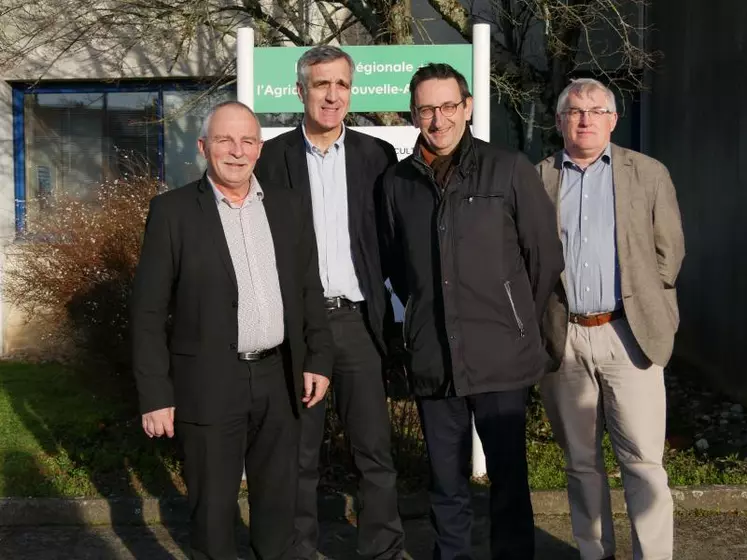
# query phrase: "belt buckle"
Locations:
[[333, 303], [250, 356]]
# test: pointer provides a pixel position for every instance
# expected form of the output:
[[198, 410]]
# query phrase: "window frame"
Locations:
[[21, 89]]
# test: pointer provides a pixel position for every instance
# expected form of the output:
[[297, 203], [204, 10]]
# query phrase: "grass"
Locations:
[[62, 434], [684, 467], [69, 435]]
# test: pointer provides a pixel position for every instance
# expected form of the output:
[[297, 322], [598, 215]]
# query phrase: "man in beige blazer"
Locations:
[[610, 323]]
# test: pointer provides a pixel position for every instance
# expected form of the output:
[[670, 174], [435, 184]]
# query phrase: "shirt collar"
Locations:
[[255, 191], [606, 157], [310, 147]]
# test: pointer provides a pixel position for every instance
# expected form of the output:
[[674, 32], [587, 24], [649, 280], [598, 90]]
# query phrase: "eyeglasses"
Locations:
[[574, 113], [447, 110]]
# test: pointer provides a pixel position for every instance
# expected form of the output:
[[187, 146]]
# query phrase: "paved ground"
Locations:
[[711, 537]]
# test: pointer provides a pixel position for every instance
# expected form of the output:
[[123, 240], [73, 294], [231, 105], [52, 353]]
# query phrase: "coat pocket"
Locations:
[[478, 239], [517, 318]]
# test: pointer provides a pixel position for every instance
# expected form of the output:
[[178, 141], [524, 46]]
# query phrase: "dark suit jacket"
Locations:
[[283, 162], [650, 249], [186, 275]]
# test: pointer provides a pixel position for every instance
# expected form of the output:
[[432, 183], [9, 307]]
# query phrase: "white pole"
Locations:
[[481, 81], [245, 80], [245, 66], [481, 130]]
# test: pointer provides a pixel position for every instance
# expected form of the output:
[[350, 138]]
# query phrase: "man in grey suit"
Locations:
[[611, 322]]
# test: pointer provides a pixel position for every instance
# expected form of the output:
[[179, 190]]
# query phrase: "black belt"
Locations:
[[332, 303], [259, 355]]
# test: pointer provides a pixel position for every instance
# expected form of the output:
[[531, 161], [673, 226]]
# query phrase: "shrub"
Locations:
[[72, 270]]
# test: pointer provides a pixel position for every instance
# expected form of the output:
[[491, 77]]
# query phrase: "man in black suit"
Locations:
[[338, 169], [234, 268]]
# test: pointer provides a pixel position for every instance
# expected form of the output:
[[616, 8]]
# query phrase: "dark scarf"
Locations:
[[443, 166]]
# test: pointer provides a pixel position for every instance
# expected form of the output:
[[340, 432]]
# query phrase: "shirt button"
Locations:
[[586, 196], [588, 288], [586, 265], [442, 228], [446, 282], [452, 337], [586, 218], [233, 346], [586, 239]]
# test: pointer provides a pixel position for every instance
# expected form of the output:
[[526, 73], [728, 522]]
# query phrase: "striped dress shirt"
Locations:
[[260, 305]]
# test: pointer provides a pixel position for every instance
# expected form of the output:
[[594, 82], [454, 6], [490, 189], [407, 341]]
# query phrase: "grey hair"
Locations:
[[317, 55], [205, 128], [581, 87]]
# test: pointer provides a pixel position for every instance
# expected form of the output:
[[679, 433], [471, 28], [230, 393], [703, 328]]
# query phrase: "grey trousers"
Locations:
[[606, 380]]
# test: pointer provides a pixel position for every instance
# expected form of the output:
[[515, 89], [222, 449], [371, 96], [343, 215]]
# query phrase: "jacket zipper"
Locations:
[[404, 323], [507, 286]]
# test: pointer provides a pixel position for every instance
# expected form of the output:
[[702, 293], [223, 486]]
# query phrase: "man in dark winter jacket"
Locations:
[[470, 243]]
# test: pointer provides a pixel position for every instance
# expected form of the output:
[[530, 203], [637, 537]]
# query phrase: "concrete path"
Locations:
[[711, 537]]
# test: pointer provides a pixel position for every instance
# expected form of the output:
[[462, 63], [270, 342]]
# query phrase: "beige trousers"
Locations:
[[606, 380]]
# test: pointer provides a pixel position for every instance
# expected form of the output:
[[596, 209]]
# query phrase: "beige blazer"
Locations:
[[650, 249]]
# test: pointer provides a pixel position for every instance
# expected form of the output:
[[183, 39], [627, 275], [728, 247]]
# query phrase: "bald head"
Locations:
[[231, 142], [204, 130]]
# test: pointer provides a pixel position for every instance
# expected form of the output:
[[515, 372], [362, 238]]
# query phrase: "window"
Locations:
[[184, 113], [76, 141], [70, 138]]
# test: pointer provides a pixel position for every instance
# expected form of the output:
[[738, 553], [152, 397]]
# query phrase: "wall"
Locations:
[[206, 57], [697, 126]]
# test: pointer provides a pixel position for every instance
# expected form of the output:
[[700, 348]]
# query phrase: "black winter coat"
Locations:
[[475, 264]]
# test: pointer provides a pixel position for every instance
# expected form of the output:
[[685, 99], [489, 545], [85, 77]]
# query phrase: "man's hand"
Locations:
[[159, 422], [314, 388]]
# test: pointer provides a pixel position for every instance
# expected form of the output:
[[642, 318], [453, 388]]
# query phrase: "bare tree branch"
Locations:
[[454, 14], [538, 45], [369, 14], [347, 24], [329, 20]]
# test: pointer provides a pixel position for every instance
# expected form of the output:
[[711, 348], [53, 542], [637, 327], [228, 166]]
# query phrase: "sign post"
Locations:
[[266, 82], [481, 130], [245, 66]]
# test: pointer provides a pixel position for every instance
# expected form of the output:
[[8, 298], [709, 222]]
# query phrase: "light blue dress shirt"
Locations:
[[329, 201], [587, 230]]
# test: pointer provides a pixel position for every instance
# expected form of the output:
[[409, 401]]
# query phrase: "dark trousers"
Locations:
[[259, 434], [360, 401], [500, 419]]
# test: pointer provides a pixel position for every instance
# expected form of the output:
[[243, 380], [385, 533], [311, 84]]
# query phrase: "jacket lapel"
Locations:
[[623, 182], [214, 227], [276, 213], [552, 178], [551, 171], [353, 173], [295, 162]]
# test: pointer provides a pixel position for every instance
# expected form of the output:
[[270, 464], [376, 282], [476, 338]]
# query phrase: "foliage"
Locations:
[[73, 270], [100, 450]]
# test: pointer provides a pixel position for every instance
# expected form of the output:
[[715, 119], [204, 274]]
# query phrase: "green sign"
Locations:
[[380, 81]]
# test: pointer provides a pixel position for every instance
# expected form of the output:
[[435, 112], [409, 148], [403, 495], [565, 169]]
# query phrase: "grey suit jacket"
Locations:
[[650, 249]]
